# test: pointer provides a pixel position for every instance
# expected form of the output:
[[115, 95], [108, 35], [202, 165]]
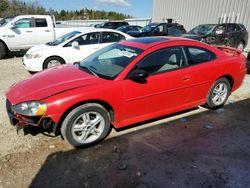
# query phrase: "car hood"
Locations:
[[49, 82], [193, 36], [37, 48]]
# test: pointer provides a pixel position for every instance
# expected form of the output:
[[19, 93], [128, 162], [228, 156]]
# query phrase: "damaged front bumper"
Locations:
[[20, 121]]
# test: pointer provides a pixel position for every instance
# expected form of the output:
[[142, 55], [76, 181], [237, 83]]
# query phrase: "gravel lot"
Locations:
[[30, 160]]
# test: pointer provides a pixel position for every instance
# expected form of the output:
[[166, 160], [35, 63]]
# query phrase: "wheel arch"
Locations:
[[64, 62], [5, 45], [106, 105], [229, 78]]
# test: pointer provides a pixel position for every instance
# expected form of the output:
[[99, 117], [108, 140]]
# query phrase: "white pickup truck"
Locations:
[[23, 32]]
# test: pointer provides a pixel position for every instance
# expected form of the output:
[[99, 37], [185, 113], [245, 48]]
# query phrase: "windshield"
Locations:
[[110, 61], [5, 20], [63, 38], [149, 27], [202, 29]]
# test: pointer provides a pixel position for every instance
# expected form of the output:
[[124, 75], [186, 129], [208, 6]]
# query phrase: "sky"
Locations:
[[135, 8]]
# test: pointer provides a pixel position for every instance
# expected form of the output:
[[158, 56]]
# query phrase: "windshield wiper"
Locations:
[[89, 69]]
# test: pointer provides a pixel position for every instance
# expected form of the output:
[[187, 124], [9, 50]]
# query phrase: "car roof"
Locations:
[[92, 29], [148, 42]]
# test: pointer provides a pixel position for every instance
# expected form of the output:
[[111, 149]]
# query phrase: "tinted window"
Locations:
[[163, 60], [41, 22], [198, 55], [238, 28], [90, 38], [111, 37], [23, 23], [220, 29], [174, 31], [159, 29]]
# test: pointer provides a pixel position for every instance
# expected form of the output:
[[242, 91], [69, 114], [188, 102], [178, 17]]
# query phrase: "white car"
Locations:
[[71, 47]]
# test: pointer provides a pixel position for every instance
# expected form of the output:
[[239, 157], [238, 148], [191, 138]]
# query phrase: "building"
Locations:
[[191, 13]]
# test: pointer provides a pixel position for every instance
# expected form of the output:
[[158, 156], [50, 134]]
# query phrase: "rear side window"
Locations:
[[111, 37], [41, 22], [231, 28], [197, 55], [174, 31]]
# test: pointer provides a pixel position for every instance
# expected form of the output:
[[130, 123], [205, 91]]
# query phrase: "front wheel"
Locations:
[[52, 62], [3, 50], [218, 94], [86, 125]]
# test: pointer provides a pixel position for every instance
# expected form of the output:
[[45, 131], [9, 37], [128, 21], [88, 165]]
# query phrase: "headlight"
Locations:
[[31, 108], [32, 56]]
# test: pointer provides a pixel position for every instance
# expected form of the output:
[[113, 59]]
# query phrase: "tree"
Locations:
[[4, 4]]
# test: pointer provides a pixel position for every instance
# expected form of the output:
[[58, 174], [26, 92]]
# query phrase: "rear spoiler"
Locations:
[[230, 50]]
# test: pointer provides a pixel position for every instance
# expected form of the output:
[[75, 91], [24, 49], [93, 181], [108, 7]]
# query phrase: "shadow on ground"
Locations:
[[15, 54], [210, 149]]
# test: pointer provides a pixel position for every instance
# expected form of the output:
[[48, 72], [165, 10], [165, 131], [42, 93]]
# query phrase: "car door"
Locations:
[[201, 72], [174, 31], [43, 33], [219, 35], [165, 88], [88, 43], [21, 35], [235, 35]]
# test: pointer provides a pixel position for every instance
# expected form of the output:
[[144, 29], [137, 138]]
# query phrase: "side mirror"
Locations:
[[75, 44], [138, 75], [12, 26]]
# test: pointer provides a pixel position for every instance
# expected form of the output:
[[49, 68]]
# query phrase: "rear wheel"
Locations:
[[86, 125], [3, 50], [218, 94], [52, 62]]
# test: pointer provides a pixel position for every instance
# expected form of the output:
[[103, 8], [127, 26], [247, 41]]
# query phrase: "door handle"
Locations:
[[28, 31], [186, 78], [47, 30], [97, 48]]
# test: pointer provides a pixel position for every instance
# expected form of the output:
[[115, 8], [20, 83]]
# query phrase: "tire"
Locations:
[[218, 94], [3, 50], [80, 129], [241, 46], [52, 61], [32, 72]]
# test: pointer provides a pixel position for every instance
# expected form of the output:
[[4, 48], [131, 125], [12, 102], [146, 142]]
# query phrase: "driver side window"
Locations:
[[23, 23], [86, 39], [163, 60], [159, 29]]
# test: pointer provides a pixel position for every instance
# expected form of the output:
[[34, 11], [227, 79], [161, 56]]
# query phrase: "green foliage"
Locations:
[[3, 5], [18, 7]]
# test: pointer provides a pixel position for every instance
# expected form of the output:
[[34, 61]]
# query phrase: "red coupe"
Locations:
[[125, 83]]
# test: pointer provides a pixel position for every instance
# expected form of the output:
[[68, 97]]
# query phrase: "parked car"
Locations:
[[127, 28], [70, 48], [112, 24], [229, 34], [123, 84], [159, 29], [23, 32], [248, 62]]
